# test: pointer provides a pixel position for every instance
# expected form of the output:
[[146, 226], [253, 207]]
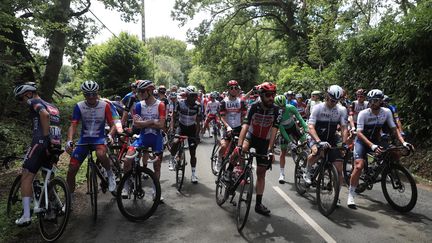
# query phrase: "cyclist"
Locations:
[[323, 123], [150, 119], [301, 105], [93, 113], [128, 102], [357, 106], [314, 100], [211, 113], [289, 131], [290, 96], [232, 111], [393, 109], [46, 133], [369, 124], [259, 131], [188, 116]]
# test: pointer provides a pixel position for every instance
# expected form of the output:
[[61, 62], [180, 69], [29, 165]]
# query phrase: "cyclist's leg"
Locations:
[[176, 142], [191, 132], [261, 147], [156, 143], [360, 153], [77, 157]]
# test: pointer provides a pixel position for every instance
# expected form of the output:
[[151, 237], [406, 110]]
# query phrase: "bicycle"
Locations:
[[143, 189], [392, 175], [51, 201], [214, 158], [324, 177], [215, 130], [180, 161], [241, 179]]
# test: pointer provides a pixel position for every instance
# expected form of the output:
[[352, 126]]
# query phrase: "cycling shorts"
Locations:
[[295, 134], [190, 131], [209, 118], [361, 149], [81, 151], [153, 141], [333, 154], [261, 147], [235, 132], [35, 158]]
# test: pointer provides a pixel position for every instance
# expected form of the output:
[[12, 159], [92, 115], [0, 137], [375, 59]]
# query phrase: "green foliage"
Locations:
[[300, 79], [116, 63]]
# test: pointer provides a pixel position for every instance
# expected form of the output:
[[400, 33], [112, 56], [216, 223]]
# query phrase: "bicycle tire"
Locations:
[[145, 190], [60, 209], [93, 185], [300, 167], [222, 187], [180, 171], [14, 208], [389, 178], [214, 158], [348, 166], [246, 187], [330, 188], [117, 169]]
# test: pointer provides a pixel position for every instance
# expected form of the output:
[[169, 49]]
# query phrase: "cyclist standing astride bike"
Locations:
[[46, 132], [232, 111], [289, 131], [188, 116], [355, 108], [150, 119], [323, 123], [211, 113], [93, 113], [369, 124], [259, 131]]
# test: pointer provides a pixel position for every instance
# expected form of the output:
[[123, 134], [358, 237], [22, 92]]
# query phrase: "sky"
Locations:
[[158, 21]]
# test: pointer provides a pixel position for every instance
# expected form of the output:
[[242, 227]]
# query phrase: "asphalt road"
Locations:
[[194, 216]]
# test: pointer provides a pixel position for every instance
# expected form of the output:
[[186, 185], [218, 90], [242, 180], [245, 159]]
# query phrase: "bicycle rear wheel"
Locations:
[[244, 200], [399, 188], [180, 170], [14, 208], [52, 223], [93, 191], [327, 190], [143, 194], [214, 158], [300, 167], [222, 186]]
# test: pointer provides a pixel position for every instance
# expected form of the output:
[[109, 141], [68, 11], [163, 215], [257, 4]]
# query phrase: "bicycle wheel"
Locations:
[[348, 166], [327, 191], [117, 168], [14, 208], [244, 200], [52, 223], [214, 158], [300, 167], [93, 191], [222, 186], [180, 170], [143, 194], [276, 146], [399, 188]]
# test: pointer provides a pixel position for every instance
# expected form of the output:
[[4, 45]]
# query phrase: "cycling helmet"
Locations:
[[116, 98], [134, 84], [232, 83], [298, 96], [316, 92], [173, 95], [145, 84], [335, 92], [289, 93], [267, 87], [360, 92], [387, 98], [214, 95], [89, 86], [21, 89], [191, 90], [280, 100], [375, 94]]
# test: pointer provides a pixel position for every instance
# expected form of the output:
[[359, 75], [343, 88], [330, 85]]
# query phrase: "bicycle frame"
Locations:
[[44, 194]]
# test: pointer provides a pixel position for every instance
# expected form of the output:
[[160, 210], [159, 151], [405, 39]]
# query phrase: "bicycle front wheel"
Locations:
[[327, 190], [244, 200], [139, 194], [222, 186], [348, 166], [399, 188], [214, 158], [93, 192], [52, 223], [14, 208], [300, 167], [180, 170]]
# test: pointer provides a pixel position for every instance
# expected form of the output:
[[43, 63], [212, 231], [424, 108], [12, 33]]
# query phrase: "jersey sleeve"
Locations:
[[243, 107], [389, 119], [137, 109], [37, 105], [344, 116], [298, 116], [162, 110], [130, 102], [361, 120], [248, 118], [76, 114], [314, 115], [108, 114]]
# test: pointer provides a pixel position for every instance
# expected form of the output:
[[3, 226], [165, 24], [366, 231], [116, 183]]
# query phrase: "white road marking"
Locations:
[[305, 216]]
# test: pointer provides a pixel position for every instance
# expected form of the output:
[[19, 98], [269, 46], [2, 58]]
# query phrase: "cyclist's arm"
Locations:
[[45, 121], [198, 123], [72, 130], [109, 119], [276, 122], [360, 126], [300, 119], [343, 126], [245, 128], [311, 125], [351, 115]]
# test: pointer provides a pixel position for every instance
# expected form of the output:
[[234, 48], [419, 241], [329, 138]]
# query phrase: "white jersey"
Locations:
[[356, 107], [371, 124], [212, 107], [233, 110], [327, 119]]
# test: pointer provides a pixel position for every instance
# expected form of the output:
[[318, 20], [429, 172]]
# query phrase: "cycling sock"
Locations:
[[259, 199], [352, 189], [193, 170], [282, 170], [26, 206]]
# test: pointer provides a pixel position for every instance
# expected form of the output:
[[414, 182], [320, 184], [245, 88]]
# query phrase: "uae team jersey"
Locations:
[[327, 119], [93, 121], [261, 120], [371, 124], [233, 110], [154, 111]]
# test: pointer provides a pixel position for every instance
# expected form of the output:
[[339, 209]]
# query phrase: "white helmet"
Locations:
[[191, 89], [21, 89], [89, 86], [375, 94], [335, 92], [145, 84]]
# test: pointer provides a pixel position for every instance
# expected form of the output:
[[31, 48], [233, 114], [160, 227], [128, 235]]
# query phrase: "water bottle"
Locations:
[[37, 188]]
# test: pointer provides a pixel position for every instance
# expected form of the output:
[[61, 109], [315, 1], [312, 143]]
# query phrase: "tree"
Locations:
[[116, 63]]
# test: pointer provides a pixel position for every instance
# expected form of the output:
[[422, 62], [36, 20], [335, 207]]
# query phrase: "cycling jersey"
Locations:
[[288, 124], [187, 115], [212, 107], [355, 108], [371, 124], [154, 111], [93, 121], [301, 108], [386, 129], [326, 120], [127, 97], [292, 102], [233, 110], [115, 115], [36, 106], [261, 120]]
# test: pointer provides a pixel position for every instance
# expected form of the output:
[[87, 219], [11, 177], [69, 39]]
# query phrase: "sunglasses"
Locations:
[[162, 91], [91, 94], [333, 100], [233, 87], [269, 94], [376, 100]]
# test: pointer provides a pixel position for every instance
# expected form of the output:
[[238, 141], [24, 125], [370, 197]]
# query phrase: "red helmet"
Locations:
[[232, 83], [267, 87]]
